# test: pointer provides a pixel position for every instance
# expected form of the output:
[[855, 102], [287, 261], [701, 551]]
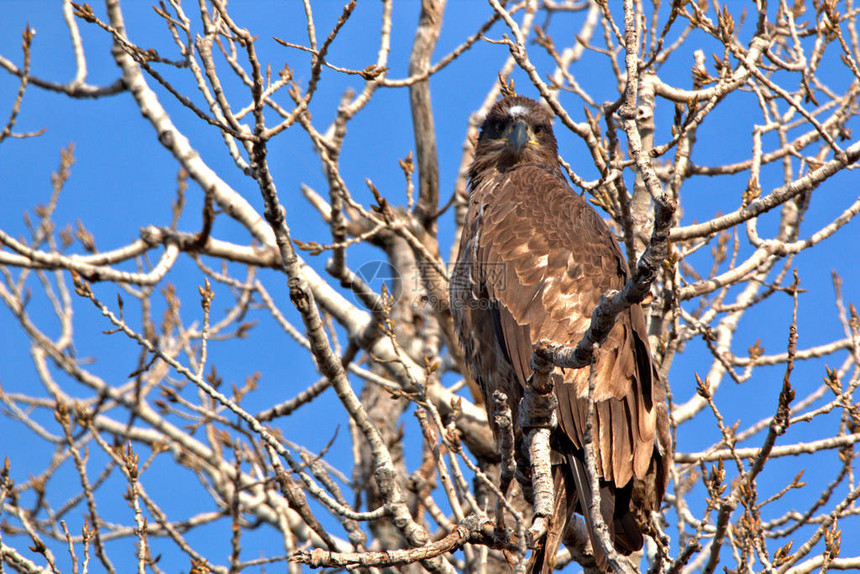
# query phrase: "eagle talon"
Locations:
[[537, 407], [543, 353], [540, 363]]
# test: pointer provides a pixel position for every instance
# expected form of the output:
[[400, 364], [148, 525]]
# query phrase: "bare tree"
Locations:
[[639, 93]]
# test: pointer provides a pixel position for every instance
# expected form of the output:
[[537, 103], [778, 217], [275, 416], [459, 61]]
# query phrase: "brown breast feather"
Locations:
[[537, 257]]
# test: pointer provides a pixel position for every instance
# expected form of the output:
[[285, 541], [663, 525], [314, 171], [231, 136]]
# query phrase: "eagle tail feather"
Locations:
[[628, 536], [607, 502]]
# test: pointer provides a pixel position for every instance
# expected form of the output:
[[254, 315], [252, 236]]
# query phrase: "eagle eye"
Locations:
[[497, 125], [538, 129]]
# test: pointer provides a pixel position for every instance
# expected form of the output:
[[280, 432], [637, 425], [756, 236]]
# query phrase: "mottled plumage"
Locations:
[[533, 262]]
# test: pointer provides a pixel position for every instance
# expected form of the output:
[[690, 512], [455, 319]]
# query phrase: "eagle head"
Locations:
[[516, 130]]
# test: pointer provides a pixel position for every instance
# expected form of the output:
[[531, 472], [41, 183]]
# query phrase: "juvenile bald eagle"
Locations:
[[534, 260]]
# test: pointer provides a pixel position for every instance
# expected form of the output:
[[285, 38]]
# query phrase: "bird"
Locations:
[[534, 258]]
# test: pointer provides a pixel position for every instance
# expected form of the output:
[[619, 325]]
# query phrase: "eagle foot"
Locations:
[[543, 355], [537, 410]]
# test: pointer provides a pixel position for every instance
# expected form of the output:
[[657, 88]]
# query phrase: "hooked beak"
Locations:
[[519, 136]]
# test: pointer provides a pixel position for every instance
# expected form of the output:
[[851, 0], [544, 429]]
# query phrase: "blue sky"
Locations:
[[123, 180]]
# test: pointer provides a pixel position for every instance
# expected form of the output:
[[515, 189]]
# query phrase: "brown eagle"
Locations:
[[534, 260]]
